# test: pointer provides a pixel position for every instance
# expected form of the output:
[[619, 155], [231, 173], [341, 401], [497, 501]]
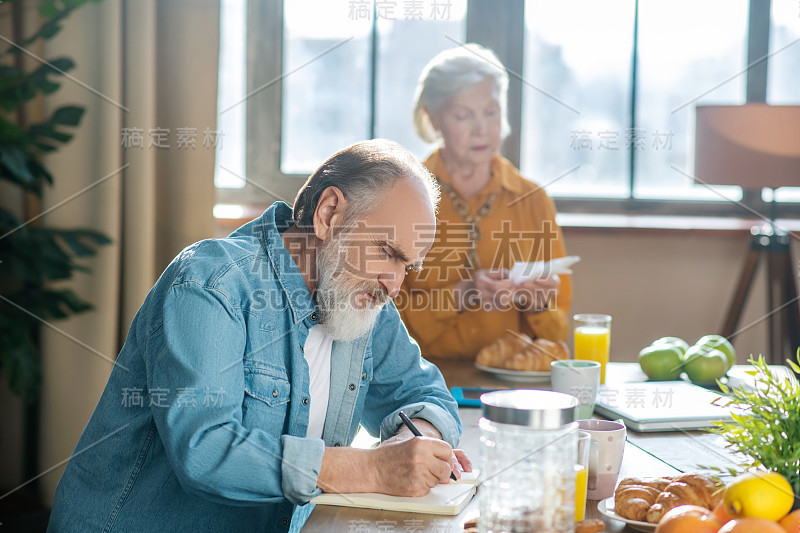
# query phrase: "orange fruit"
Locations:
[[791, 522], [688, 519], [722, 513], [751, 525]]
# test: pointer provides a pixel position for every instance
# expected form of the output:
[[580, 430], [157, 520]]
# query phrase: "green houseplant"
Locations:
[[33, 255], [766, 421]]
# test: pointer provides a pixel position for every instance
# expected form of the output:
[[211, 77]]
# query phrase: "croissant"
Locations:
[[633, 501], [516, 351], [659, 483], [687, 489]]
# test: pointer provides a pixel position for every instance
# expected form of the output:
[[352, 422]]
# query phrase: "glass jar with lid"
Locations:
[[529, 443]]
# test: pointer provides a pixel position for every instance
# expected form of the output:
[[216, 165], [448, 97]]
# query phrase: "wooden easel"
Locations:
[[783, 307]]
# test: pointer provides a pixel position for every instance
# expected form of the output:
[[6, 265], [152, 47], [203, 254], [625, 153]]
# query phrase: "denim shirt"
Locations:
[[202, 424]]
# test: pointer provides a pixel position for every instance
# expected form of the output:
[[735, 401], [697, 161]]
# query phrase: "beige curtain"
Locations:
[[149, 65]]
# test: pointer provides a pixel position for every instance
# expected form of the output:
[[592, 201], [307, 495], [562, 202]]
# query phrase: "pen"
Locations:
[[410, 425]]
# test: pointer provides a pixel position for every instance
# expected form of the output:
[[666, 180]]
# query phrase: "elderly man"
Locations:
[[254, 359]]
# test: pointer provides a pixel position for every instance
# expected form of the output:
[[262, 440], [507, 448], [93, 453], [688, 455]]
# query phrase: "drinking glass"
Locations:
[[582, 474], [593, 339]]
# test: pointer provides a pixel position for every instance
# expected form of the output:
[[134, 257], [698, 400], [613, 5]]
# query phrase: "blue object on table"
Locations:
[[469, 396]]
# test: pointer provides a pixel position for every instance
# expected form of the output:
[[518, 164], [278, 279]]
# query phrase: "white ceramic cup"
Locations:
[[605, 456], [578, 378]]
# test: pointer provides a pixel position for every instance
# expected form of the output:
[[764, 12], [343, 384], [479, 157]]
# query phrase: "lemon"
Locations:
[[759, 495]]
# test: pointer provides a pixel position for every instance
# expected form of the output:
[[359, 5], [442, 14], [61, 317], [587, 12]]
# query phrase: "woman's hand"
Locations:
[[493, 290], [490, 290], [534, 296]]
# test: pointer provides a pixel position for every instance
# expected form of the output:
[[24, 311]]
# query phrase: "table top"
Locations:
[[650, 454]]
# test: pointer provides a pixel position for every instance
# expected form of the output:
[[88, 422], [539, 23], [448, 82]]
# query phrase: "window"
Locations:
[[229, 168], [783, 76], [689, 53], [576, 99], [326, 84], [577, 105], [606, 103], [337, 57], [345, 71]]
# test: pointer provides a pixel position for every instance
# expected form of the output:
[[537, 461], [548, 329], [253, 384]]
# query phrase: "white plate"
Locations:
[[529, 376], [606, 508]]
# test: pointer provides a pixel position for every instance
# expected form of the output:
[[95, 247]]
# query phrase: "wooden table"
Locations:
[[651, 454]]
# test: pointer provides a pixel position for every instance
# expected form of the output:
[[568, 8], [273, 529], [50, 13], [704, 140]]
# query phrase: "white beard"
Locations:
[[337, 292]]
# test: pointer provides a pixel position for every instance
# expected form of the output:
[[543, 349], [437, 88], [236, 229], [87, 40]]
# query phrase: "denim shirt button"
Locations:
[[314, 317], [337, 444], [364, 376], [285, 521], [274, 393], [352, 386], [305, 401]]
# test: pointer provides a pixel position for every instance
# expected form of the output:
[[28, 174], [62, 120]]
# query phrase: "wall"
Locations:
[[656, 283]]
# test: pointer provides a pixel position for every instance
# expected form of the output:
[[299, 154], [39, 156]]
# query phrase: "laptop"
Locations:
[[661, 406]]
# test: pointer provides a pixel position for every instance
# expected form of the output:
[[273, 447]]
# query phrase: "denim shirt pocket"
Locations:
[[266, 399]]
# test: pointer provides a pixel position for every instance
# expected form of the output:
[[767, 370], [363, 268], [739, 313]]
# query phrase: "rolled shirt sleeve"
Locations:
[[300, 465], [441, 419]]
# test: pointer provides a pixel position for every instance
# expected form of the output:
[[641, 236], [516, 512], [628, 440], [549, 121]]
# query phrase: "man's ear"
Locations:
[[329, 212]]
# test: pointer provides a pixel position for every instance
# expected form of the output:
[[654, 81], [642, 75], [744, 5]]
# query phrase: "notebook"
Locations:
[[661, 406], [444, 499]]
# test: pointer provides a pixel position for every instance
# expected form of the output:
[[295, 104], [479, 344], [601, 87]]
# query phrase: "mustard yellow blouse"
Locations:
[[520, 226]]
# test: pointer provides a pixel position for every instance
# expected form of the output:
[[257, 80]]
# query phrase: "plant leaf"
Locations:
[[15, 162], [68, 115], [48, 9], [21, 363]]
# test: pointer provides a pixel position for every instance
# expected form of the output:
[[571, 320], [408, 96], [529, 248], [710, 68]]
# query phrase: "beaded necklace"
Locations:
[[472, 261]]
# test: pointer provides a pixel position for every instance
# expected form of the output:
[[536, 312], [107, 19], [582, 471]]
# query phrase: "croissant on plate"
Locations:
[[634, 496], [516, 351], [687, 489]]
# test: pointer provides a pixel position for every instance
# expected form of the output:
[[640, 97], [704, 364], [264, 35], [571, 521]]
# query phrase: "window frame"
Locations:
[[498, 26]]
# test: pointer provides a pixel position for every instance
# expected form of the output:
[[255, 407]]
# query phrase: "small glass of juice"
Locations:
[[593, 339], [582, 474]]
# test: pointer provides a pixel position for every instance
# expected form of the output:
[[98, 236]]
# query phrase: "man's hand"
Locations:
[[413, 466], [459, 462], [403, 465]]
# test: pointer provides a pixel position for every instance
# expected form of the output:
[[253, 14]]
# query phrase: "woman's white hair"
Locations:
[[452, 72]]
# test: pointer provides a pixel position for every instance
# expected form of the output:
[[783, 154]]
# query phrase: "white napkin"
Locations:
[[523, 271]]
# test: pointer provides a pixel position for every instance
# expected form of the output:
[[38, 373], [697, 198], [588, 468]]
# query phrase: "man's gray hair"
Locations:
[[363, 172], [454, 71]]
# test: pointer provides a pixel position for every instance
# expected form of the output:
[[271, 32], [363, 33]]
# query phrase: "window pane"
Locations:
[[689, 53], [783, 76], [781, 194], [229, 164], [326, 83], [576, 94], [405, 47]]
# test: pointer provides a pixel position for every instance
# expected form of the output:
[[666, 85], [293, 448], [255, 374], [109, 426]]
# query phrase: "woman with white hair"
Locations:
[[489, 218]]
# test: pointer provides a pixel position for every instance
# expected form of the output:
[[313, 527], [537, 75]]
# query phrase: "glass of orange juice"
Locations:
[[582, 474], [593, 339]]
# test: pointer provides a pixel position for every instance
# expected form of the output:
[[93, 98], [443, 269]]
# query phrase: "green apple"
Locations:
[[704, 365], [674, 341], [722, 344], [661, 362]]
